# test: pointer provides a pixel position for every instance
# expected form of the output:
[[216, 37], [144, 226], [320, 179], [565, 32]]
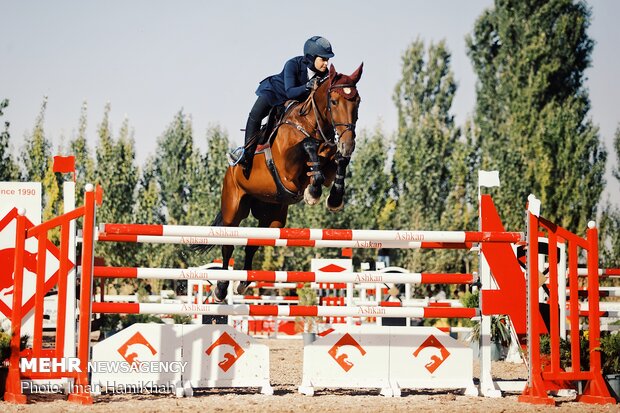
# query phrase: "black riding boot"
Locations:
[[252, 128]]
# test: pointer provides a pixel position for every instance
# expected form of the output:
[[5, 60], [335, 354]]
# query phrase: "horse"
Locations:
[[310, 147]]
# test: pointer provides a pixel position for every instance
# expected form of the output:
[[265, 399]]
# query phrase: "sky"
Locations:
[[153, 58]]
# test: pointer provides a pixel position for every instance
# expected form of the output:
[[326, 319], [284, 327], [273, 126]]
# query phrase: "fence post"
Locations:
[[81, 387], [13, 392]]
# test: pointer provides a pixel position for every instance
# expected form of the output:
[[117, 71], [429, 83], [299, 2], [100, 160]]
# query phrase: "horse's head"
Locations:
[[342, 104]]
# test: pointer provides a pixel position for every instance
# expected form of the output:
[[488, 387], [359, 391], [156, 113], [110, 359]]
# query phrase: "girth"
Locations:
[[283, 194]]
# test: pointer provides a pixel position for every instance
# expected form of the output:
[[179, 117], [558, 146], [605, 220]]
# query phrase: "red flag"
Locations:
[[64, 164]]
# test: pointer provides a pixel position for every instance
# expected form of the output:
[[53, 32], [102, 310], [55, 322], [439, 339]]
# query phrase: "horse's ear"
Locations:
[[355, 76]]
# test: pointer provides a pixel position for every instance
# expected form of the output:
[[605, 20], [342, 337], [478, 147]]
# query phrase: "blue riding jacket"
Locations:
[[290, 83]]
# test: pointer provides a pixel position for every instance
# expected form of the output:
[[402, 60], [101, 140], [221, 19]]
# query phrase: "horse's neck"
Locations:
[[312, 114], [320, 100], [287, 145]]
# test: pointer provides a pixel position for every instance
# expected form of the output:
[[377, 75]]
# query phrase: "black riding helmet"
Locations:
[[317, 46]]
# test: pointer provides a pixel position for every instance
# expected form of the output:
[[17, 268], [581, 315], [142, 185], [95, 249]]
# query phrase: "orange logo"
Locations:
[[436, 360], [342, 359], [133, 349], [332, 268], [229, 358], [7, 263]]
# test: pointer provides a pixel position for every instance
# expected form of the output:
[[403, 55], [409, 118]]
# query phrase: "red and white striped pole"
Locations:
[[282, 276], [285, 310], [260, 242], [602, 272], [311, 234]]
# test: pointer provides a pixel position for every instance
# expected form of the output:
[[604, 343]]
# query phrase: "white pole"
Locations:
[[562, 289], [68, 193], [487, 386]]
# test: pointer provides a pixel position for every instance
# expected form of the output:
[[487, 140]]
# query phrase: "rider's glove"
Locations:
[[311, 84]]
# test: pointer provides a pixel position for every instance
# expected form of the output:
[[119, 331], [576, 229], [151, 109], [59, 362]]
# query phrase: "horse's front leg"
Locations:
[[313, 191], [335, 200]]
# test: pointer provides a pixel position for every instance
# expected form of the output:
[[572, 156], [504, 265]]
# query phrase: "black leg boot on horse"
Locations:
[[312, 194], [335, 200]]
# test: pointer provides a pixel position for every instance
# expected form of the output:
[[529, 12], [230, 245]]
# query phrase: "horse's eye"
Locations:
[[334, 102]]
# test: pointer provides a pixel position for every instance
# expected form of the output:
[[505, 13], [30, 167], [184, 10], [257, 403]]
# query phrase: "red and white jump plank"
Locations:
[[285, 310], [282, 276], [173, 239], [310, 234], [603, 272], [289, 299]]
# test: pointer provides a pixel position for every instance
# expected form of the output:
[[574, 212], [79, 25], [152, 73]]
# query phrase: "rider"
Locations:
[[296, 80]]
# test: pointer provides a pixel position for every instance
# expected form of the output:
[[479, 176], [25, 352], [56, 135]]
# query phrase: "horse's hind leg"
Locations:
[[235, 208], [221, 289], [250, 251], [268, 216]]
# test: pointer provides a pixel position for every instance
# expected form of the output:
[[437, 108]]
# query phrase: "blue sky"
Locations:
[[152, 58]]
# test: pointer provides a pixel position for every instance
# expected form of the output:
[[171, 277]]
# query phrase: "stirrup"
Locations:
[[235, 156]]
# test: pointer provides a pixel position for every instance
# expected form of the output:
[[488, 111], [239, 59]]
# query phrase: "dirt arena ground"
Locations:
[[286, 372]]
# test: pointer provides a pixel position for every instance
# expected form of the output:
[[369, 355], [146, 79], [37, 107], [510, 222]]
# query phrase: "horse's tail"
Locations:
[[217, 222]]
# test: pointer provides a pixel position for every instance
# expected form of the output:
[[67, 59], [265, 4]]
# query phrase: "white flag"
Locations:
[[488, 178]]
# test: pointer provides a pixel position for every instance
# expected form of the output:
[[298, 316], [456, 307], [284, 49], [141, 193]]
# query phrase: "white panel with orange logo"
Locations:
[[388, 358]]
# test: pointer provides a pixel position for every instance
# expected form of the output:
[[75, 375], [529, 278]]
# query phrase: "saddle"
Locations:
[[267, 132]]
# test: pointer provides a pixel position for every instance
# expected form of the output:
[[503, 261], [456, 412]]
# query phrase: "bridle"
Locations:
[[348, 126]]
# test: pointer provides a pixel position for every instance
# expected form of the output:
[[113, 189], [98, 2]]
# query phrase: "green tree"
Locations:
[[84, 162], [8, 167], [368, 183], [610, 220], [425, 139], [173, 164], [218, 145], [461, 212], [36, 153], [126, 173], [117, 174], [52, 200], [149, 211], [530, 58]]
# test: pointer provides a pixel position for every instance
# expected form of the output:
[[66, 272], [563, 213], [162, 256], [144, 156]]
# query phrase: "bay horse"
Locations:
[[310, 147]]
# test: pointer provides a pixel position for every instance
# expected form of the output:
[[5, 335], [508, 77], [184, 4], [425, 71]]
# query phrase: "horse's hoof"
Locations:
[[219, 295], [310, 200], [332, 208], [242, 287]]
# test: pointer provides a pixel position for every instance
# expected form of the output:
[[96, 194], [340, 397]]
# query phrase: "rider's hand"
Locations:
[[311, 84]]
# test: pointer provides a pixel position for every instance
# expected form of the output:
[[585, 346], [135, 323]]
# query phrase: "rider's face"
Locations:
[[320, 63]]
